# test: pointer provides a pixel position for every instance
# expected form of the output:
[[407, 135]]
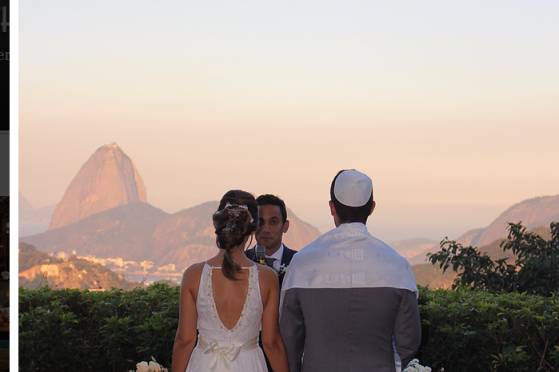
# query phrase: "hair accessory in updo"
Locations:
[[232, 224], [242, 206]]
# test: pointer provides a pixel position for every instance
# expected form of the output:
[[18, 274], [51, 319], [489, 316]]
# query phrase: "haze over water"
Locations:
[[450, 108]]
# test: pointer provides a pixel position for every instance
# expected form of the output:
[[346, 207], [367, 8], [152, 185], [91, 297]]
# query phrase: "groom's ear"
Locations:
[[285, 226], [332, 208], [373, 205]]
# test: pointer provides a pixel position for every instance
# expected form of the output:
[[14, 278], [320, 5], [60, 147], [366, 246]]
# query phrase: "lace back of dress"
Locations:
[[210, 325]]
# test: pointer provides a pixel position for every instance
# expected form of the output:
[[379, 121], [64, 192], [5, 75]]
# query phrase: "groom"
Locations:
[[349, 301]]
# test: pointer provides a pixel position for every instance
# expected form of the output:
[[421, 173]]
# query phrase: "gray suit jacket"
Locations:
[[349, 330]]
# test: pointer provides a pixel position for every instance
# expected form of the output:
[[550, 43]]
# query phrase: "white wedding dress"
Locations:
[[221, 349]]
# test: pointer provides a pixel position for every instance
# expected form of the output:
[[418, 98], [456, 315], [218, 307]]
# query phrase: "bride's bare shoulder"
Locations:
[[268, 277], [191, 276]]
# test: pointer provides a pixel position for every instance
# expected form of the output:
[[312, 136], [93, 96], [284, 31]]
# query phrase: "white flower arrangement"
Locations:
[[414, 366], [152, 366], [282, 269]]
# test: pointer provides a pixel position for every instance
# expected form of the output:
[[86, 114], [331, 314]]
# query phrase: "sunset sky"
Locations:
[[451, 108]]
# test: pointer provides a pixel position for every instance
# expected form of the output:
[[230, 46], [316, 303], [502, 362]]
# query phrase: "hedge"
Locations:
[[469, 330], [464, 330]]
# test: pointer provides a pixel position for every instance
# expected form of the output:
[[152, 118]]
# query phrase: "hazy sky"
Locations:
[[451, 108]]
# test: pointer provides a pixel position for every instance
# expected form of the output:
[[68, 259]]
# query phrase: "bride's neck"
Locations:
[[237, 254]]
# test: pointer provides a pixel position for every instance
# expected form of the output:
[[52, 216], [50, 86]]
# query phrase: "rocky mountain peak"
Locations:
[[107, 179]]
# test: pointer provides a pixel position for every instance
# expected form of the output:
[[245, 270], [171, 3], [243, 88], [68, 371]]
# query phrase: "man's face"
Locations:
[[270, 227]]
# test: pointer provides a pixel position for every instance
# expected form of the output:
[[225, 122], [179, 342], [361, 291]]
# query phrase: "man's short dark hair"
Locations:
[[268, 199], [350, 214]]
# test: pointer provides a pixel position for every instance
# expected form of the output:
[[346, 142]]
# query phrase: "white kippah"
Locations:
[[353, 188]]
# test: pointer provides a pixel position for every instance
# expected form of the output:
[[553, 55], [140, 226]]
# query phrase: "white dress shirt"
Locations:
[[277, 255]]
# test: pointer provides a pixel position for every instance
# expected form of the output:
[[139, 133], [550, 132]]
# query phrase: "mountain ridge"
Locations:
[[533, 213], [140, 231]]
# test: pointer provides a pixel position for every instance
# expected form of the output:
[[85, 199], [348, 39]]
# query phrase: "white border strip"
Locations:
[[14, 183]]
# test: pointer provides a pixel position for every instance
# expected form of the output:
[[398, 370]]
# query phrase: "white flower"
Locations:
[[142, 367], [154, 367], [414, 366]]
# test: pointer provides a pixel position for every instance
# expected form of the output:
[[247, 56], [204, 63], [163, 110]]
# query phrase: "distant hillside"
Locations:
[[430, 275], [139, 231], [415, 249], [533, 213], [38, 269], [104, 216], [469, 236], [125, 231], [300, 233], [29, 256], [33, 220]]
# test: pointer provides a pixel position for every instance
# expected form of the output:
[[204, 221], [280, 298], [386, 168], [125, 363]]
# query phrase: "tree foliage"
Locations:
[[533, 266]]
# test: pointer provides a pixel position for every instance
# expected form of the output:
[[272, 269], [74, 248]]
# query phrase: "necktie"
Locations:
[[270, 262]]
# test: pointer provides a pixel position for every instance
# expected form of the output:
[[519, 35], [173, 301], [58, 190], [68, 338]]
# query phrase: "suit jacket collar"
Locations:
[[287, 255], [285, 258]]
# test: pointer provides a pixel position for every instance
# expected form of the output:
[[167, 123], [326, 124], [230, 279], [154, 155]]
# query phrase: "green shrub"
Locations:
[[71, 330], [468, 330], [464, 330]]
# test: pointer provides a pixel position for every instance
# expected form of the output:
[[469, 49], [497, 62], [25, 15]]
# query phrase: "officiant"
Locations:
[[273, 223]]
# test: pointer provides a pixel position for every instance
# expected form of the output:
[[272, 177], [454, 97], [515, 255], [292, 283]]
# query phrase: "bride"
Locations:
[[228, 300]]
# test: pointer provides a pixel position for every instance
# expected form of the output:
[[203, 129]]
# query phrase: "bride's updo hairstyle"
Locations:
[[235, 219]]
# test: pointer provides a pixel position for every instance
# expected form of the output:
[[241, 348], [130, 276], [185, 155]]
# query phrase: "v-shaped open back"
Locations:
[[247, 291], [247, 318], [228, 349]]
